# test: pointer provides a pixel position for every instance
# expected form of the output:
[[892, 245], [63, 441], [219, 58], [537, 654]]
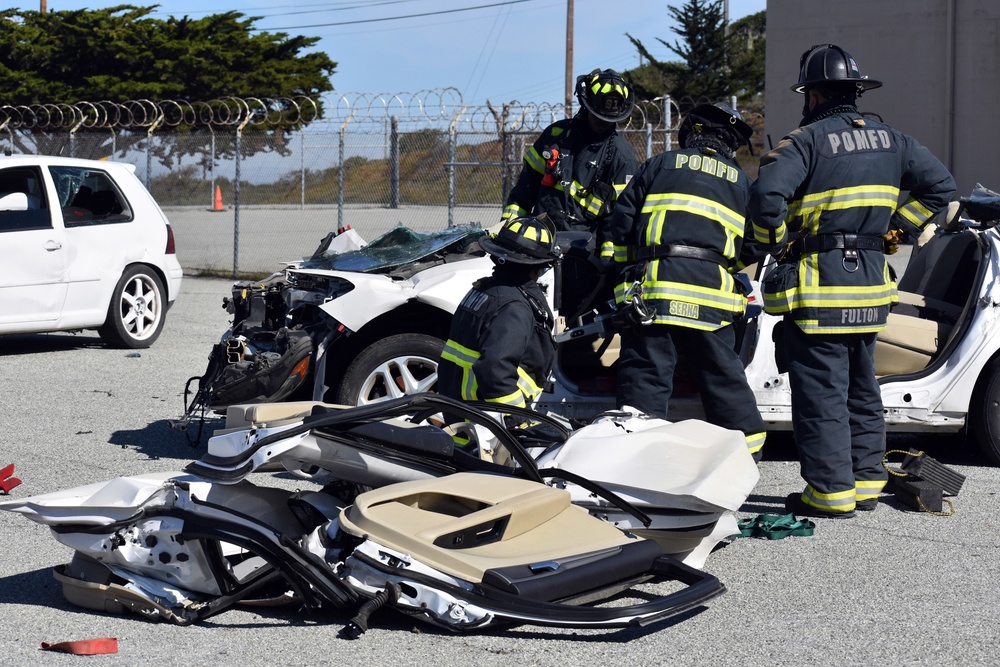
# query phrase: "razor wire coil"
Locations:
[[435, 106]]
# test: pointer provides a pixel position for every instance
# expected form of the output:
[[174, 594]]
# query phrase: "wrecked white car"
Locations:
[[367, 324], [521, 525]]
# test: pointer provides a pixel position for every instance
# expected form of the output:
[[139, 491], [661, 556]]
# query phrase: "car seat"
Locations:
[[104, 203], [933, 293]]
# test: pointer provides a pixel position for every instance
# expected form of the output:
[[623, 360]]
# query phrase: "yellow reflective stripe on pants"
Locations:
[[866, 490], [755, 441], [841, 501]]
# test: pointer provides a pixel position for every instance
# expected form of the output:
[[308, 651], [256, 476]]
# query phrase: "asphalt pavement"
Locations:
[[889, 587]]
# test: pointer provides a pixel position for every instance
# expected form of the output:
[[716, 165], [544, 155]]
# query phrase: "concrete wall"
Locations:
[[938, 60]]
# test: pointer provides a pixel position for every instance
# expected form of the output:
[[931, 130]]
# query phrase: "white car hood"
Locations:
[[374, 294]]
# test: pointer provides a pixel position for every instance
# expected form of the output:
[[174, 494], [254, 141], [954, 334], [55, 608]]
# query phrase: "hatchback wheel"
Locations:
[[137, 310]]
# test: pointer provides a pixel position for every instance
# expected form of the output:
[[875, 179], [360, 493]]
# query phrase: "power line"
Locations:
[[496, 34], [325, 7], [397, 18]]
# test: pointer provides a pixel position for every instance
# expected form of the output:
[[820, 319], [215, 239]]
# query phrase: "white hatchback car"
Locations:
[[83, 245]]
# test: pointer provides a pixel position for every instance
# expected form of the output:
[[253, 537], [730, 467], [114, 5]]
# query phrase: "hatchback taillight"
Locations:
[[171, 250]]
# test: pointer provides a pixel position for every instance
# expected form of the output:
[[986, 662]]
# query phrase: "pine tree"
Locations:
[[119, 54], [712, 66]]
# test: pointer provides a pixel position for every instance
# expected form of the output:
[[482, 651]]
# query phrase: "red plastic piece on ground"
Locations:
[[7, 483], [84, 646]]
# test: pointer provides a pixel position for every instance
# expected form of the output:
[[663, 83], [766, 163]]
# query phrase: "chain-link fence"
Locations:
[[250, 183]]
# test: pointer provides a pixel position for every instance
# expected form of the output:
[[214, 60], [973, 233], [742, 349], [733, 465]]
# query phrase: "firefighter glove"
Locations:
[[891, 240]]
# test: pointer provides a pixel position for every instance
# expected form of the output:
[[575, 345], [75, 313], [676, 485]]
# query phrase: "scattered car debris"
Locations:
[[7, 482], [526, 524], [98, 646]]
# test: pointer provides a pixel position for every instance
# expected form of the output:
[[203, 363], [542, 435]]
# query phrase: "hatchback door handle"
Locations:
[[52, 245]]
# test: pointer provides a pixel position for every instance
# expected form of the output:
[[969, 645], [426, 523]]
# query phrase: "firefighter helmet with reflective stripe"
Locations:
[[718, 120], [524, 240], [831, 65], [605, 95]]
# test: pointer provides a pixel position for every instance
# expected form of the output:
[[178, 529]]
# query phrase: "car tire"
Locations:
[[396, 366], [986, 412], [137, 310]]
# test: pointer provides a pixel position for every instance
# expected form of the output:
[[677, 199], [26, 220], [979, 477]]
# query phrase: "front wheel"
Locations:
[[137, 310], [395, 366], [985, 412]]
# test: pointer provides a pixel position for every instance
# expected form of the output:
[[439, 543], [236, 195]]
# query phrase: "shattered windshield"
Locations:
[[397, 247]]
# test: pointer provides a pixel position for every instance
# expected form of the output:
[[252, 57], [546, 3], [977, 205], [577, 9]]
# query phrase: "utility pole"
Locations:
[[569, 58]]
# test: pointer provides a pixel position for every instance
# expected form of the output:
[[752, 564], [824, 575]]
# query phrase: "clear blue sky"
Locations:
[[501, 50]]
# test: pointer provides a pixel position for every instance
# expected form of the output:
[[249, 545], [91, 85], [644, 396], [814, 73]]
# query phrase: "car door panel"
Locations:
[[33, 254]]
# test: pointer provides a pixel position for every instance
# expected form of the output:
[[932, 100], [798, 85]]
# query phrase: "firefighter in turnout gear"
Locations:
[[500, 347], [577, 167], [826, 196], [573, 173], [678, 236]]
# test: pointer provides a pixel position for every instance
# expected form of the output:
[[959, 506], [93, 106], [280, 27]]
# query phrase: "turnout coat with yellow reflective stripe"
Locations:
[[500, 347], [595, 167], [843, 173], [696, 198]]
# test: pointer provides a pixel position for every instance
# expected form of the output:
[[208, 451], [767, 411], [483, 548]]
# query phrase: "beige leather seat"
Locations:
[[909, 343]]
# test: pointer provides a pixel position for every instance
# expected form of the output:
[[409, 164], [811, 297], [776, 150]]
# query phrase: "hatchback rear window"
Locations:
[[89, 197]]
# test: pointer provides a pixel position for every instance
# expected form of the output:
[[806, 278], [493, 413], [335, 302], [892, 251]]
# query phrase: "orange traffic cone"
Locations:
[[217, 204]]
